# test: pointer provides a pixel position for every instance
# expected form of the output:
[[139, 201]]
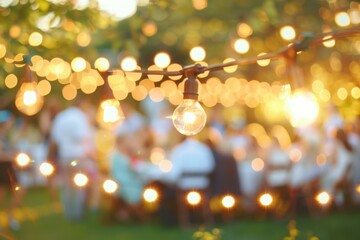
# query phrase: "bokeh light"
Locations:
[[128, 64], [46, 169], [22, 159], [78, 64], [241, 45], [257, 164], [193, 198], [110, 186], [35, 39], [266, 199], [102, 64], [150, 195], [323, 198], [342, 19], [162, 60], [288, 33], [228, 201], [197, 54], [81, 180]]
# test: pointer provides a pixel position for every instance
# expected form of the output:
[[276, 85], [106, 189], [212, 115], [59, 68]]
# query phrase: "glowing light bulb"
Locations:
[[28, 100], [197, 54], [266, 199], [342, 19], [323, 198], [110, 186], [189, 117], [241, 45], [46, 169], [128, 64], [150, 195], [228, 201], [109, 114], [22, 159], [162, 60], [81, 179], [193, 198], [302, 108], [288, 33]]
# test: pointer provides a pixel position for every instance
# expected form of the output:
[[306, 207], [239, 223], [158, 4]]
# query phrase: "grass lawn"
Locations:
[[52, 226]]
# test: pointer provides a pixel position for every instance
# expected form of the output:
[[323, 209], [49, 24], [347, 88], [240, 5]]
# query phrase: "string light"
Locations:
[[150, 195], [46, 169], [22, 159], [110, 186], [80, 180], [189, 118], [28, 100], [228, 201], [193, 198], [323, 198], [266, 199]]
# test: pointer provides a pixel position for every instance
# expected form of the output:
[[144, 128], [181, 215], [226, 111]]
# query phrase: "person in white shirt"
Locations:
[[71, 132], [192, 163]]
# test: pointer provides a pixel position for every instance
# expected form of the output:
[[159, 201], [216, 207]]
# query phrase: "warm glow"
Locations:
[[11, 81], [110, 186], [150, 195], [288, 33], [329, 42], [162, 60], [44, 87], [342, 19], [264, 62], [358, 188], [189, 118], [228, 201], [165, 166], [244, 30], [128, 64], [81, 179], [257, 164], [266, 200], [2, 50], [295, 155], [241, 45], [78, 64], [102, 64], [35, 39], [119, 10], [157, 155], [29, 97], [323, 198], [302, 108], [22, 159], [46, 169], [109, 113], [197, 54], [199, 4], [193, 198], [28, 100]]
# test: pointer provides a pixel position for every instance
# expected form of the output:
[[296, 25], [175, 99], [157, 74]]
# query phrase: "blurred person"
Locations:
[[224, 180], [72, 132], [336, 180], [192, 163], [250, 181], [8, 180], [277, 173], [123, 172], [354, 140]]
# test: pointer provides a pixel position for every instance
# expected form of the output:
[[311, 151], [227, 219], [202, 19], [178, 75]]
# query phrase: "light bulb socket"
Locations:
[[108, 93], [28, 74], [191, 88]]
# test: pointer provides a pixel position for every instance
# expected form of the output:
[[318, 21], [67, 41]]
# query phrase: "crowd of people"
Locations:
[[224, 160]]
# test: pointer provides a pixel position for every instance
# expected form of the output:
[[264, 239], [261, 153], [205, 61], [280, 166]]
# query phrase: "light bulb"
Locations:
[[28, 99], [109, 114], [189, 117], [302, 108]]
